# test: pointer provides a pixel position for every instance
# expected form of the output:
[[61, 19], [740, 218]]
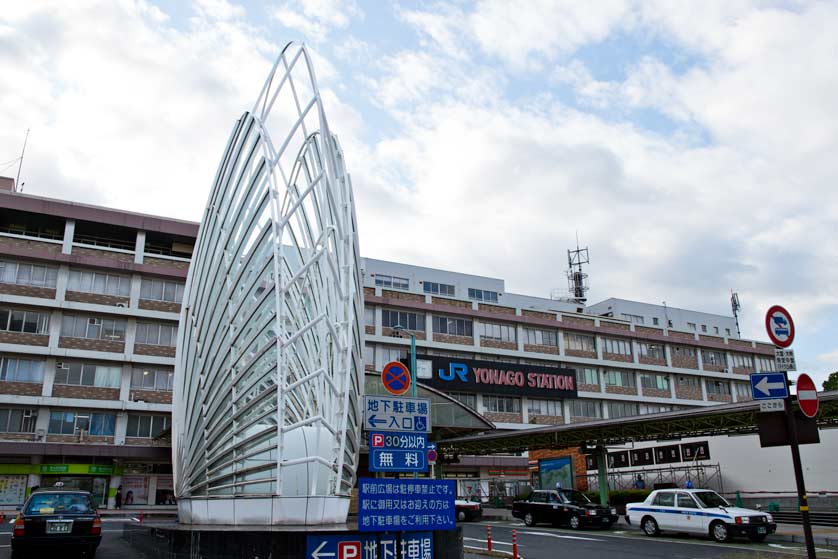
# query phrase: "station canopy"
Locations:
[[724, 419]]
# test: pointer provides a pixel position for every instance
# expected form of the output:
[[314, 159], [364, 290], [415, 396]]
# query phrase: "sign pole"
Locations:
[[791, 426]]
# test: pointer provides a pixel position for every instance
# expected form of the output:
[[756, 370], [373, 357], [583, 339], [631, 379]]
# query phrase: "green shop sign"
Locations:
[[55, 468], [95, 469]]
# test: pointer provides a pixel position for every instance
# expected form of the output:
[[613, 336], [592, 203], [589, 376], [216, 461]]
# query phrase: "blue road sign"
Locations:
[[769, 386], [398, 452], [407, 505], [395, 413], [344, 546]]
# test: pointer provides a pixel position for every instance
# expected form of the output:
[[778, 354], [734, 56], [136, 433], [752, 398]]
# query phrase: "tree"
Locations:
[[832, 382]]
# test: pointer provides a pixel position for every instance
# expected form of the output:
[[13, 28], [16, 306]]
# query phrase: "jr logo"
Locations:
[[458, 370]]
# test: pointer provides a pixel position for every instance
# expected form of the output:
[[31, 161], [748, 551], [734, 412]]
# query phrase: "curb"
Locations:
[[794, 538]]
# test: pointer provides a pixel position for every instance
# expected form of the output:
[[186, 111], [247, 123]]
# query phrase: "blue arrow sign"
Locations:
[[769, 386]]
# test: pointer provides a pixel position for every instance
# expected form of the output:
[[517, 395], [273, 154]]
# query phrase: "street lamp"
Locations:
[[399, 329]]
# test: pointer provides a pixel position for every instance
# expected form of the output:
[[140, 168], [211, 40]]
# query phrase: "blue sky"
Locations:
[[690, 145]]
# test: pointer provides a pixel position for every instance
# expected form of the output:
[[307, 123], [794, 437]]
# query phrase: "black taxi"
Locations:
[[56, 517], [563, 507]]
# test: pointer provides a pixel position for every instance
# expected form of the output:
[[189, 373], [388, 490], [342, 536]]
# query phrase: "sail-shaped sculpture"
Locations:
[[266, 406]]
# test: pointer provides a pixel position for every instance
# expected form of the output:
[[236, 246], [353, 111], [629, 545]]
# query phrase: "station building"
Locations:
[[89, 307]]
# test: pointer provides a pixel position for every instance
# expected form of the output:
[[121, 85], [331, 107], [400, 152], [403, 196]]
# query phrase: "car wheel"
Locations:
[[757, 538], [650, 527], [719, 532], [575, 522], [529, 520], [461, 515]]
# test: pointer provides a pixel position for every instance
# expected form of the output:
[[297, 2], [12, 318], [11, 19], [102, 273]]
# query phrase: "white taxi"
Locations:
[[698, 511]]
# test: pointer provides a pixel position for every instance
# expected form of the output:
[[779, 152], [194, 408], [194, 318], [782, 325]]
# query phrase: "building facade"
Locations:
[[89, 307]]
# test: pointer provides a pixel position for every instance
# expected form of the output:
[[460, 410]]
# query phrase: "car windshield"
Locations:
[[710, 499], [54, 503], [575, 497]]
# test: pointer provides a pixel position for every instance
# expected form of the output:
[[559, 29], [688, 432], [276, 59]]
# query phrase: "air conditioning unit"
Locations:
[[122, 305]]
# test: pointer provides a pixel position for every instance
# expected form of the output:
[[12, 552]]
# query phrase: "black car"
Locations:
[[565, 507], [56, 517]]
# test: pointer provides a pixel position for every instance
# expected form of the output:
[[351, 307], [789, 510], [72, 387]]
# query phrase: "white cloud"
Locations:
[[317, 18]]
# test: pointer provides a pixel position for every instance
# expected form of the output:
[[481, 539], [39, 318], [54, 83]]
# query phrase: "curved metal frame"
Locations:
[[266, 422]]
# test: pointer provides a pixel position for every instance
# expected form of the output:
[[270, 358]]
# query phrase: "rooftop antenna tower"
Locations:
[[18, 186], [577, 280], [736, 307]]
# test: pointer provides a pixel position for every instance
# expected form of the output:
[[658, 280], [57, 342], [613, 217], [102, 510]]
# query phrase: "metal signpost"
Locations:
[[780, 328], [406, 504]]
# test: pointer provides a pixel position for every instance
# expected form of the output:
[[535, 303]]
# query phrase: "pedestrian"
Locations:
[[558, 485], [639, 483], [118, 498], [689, 484]]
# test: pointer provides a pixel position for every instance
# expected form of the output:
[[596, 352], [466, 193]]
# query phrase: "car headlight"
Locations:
[[769, 518]]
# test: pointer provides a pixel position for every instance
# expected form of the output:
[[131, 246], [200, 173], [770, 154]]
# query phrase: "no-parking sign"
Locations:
[[395, 377]]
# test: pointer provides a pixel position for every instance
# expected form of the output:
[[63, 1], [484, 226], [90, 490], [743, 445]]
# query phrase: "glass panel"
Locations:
[[133, 426]]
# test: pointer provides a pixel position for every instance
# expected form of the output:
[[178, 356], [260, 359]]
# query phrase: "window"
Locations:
[[99, 282], [389, 354], [619, 378], [453, 326], [13, 369], [655, 408], [665, 499], [541, 337], [469, 400], [18, 420], [689, 381], [499, 332], [766, 363], [24, 273], [93, 328], [711, 357], [438, 288], [72, 422], [502, 404], [31, 322], [587, 375], [146, 426], [686, 502], [652, 351], [483, 295], [616, 346], [152, 333], [88, 374], [727, 332], [743, 390], [161, 380], [683, 351], [715, 329], [718, 387], [669, 323], [161, 290], [634, 318], [545, 407], [392, 281], [369, 354], [704, 328], [410, 320], [579, 342], [743, 360], [584, 408], [369, 316], [622, 409], [651, 380], [691, 326], [655, 321]]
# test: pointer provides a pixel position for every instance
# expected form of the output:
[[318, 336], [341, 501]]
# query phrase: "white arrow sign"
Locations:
[[766, 387], [316, 553]]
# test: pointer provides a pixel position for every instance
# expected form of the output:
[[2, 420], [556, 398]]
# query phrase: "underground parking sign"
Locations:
[[396, 378], [780, 326]]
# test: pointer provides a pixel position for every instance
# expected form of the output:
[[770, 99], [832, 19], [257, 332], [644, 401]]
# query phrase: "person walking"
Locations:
[[118, 498], [639, 483]]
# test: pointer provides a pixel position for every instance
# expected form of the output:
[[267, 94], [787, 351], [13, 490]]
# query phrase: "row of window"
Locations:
[[113, 329], [101, 283], [577, 408], [435, 288], [22, 420], [77, 373]]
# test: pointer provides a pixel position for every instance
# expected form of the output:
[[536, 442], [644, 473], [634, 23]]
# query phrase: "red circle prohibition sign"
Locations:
[[396, 378], [780, 326]]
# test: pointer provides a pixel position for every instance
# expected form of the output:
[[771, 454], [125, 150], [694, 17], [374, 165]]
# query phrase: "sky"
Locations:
[[690, 145]]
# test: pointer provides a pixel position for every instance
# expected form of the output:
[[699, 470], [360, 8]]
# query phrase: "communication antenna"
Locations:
[[736, 307], [18, 186], [577, 280]]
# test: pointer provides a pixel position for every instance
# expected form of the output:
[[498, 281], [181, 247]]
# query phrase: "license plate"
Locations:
[[59, 527], [760, 530]]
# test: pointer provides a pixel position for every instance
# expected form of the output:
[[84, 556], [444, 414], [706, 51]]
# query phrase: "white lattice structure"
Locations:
[[266, 423]]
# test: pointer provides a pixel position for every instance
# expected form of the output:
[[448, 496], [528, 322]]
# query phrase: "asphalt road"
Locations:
[[112, 546], [543, 541]]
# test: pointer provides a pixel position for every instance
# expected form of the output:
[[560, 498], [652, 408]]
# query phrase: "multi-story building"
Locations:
[[89, 307]]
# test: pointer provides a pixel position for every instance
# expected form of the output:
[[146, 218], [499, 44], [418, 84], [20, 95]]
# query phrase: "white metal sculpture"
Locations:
[[269, 375]]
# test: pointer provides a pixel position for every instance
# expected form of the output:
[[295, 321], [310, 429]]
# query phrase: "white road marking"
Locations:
[[494, 542], [563, 536], [799, 548]]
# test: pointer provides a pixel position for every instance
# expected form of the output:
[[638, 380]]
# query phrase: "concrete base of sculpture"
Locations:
[[179, 541], [263, 511]]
